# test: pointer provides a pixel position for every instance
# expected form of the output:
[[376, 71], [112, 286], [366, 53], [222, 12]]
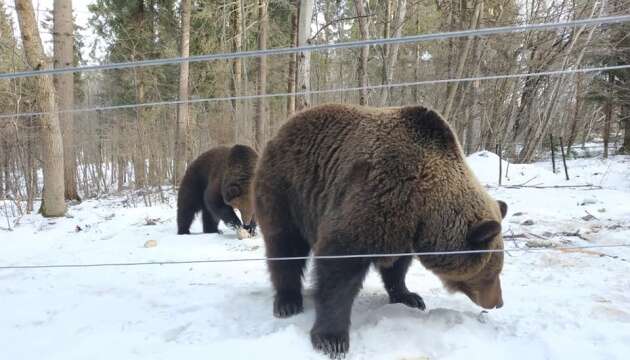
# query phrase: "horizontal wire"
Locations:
[[318, 47], [354, 256], [324, 91]]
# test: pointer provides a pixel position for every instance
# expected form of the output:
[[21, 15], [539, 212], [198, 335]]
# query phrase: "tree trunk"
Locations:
[[576, 113], [261, 84], [63, 41], [292, 64], [53, 203], [181, 130], [392, 50], [365, 52], [139, 157], [609, 114], [418, 57], [625, 124], [386, 34], [305, 15], [31, 168], [237, 66], [452, 90], [4, 167]]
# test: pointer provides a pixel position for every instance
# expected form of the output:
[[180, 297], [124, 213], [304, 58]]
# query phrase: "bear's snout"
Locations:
[[500, 304], [490, 296]]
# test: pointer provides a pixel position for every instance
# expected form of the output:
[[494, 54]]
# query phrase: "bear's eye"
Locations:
[[232, 191]]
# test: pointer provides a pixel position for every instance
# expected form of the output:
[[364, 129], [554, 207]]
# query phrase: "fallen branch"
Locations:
[[591, 252], [538, 236], [585, 187], [515, 236], [572, 234]]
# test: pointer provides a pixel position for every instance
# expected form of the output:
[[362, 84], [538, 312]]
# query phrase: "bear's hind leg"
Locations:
[[338, 283], [286, 275], [185, 217], [189, 202], [210, 223], [394, 280]]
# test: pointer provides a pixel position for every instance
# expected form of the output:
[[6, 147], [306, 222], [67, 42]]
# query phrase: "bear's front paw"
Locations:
[[241, 234], [251, 229], [410, 299], [334, 345], [287, 305]]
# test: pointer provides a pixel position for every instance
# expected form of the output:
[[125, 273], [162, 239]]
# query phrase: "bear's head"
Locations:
[[478, 276], [237, 185]]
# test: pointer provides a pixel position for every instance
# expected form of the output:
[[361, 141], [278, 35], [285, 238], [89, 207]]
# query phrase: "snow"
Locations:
[[558, 304]]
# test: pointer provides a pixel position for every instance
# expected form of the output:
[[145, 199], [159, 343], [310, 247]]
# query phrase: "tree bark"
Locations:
[[261, 84], [364, 54], [63, 41], [305, 15], [181, 130], [452, 90], [53, 203]]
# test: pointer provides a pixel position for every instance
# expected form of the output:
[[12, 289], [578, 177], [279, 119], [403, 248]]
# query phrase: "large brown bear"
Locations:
[[215, 183], [341, 180]]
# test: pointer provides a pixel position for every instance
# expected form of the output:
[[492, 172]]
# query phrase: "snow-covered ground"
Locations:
[[558, 304]]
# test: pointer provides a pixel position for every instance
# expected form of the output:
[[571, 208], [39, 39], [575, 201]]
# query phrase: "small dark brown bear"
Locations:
[[216, 183], [343, 180]]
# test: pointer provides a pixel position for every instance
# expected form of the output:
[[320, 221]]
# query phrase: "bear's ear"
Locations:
[[231, 192], [483, 232], [503, 207]]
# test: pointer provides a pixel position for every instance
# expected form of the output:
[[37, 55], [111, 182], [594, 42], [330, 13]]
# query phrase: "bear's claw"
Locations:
[[285, 307], [334, 345], [410, 299]]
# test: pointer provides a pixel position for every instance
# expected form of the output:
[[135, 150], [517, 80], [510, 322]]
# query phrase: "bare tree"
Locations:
[[181, 130], [261, 84], [53, 203], [391, 51], [452, 89], [305, 15]]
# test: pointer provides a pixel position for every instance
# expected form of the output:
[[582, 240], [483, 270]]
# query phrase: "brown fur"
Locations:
[[343, 180], [215, 183]]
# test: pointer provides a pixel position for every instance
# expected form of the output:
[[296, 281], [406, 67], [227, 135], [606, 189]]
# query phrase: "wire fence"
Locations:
[[326, 91], [315, 257], [320, 47]]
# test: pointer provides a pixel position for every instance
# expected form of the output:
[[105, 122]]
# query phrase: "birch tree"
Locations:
[[305, 15]]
